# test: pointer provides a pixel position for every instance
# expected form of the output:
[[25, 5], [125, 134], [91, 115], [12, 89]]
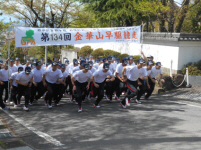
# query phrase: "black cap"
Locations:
[[33, 65], [55, 59], [1, 62], [106, 66], [86, 66], [54, 63], [90, 63], [67, 62], [82, 62], [42, 60], [17, 58], [109, 58], [28, 60], [62, 66], [75, 62], [35, 60], [20, 69], [28, 70], [38, 63], [11, 59]]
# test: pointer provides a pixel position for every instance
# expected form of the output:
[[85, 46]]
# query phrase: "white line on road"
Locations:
[[39, 133]]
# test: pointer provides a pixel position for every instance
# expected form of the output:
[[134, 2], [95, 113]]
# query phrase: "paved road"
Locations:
[[162, 123]]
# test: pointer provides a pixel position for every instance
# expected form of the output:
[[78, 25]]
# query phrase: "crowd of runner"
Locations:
[[82, 79]]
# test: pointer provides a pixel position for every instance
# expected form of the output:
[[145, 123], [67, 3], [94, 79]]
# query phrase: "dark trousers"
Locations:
[[58, 94], [5, 87], [1, 101], [132, 86], [14, 94], [26, 91], [109, 89], [118, 86], [39, 89], [80, 90], [149, 91], [69, 83], [97, 92], [142, 89], [51, 88]]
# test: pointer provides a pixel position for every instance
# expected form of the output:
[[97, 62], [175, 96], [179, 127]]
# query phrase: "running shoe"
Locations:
[[71, 99], [117, 98], [138, 102], [96, 106], [89, 97], [123, 106], [30, 104], [127, 102], [15, 106], [107, 98], [80, 109], [25, 108], [76, 103], [49, 106]]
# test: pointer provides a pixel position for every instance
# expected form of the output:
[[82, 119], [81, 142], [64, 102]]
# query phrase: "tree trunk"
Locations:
[[183, 15]]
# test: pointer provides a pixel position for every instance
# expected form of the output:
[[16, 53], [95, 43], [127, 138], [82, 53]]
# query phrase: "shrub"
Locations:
[[97, 53], [109, 52], [193, 68], [85, 51], [123, 56]]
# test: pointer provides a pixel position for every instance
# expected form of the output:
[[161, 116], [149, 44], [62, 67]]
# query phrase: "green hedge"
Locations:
[[193, 68]]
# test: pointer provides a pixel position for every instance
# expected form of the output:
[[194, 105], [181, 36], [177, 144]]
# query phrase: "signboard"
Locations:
[[28, 36]]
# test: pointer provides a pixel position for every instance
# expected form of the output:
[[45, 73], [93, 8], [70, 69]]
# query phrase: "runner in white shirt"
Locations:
[[17, 62], [74, 64], [13, 86], [24, 80], [60, 86], [91, 58], [109, 87], [83, 79], [67, 71], [50, 77], [28, 64], [133, 73], [37, 85], [145, 83], [99, 78], [92, 69], [4, 81], [131, 61], [43, 64], [119, 82], [12, 67], [154, 72]]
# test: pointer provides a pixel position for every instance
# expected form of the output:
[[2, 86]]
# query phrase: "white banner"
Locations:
[[27, 36]]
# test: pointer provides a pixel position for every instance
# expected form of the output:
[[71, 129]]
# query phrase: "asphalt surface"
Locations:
[[163, 123]]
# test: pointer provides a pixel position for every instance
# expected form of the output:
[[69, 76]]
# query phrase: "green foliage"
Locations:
[[98, 53], [136, 57], [109, 52], [122, 56], [14, 52], [85, 51], [193, 68]]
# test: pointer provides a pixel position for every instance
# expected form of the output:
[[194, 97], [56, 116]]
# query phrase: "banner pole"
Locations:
[[45, 46], [9, 66]]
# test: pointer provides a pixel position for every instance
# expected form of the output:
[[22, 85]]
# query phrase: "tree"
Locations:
[[98, 53], [111, 53], [122, 56], [14, 52], [85, 51], [58, 13]]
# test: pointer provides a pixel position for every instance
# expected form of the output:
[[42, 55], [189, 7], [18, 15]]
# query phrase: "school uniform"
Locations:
[[51, 78], [14, 89], [133, 73], [99, 77], [4, 78], [39, 88], [24, 90], [81, 83], [153, 74]]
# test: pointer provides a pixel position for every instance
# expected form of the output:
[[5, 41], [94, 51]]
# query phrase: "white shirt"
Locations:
[[133, 64], [93, 70], [119, 69], [100, 76], [76, 69], [18, 65], [4, 74], [23, 78], [96, 65], [111, 67], [14, 69], [13, 77], [133, 73], [52, 76], [63, 77], [148, 71], [37, 74], [155, 72], [26, 66], [82, 77], [115, 64]]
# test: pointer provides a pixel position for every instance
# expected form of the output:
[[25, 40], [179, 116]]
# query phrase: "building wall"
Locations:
[[70, 55], [189, 52]]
